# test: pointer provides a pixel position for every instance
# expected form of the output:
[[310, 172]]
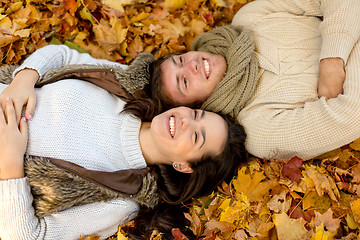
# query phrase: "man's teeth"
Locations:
[[207, 68], [172, 126]]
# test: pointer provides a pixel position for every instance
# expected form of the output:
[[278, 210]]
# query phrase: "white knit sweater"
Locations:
[[79, 122], [285, 117]]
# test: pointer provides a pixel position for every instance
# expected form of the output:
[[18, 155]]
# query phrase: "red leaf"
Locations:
[[291, 169], [178, 235]]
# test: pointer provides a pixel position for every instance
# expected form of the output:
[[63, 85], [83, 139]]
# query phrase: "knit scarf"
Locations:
[[240, 80]]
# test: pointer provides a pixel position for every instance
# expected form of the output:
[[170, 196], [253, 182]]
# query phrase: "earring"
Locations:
[[175, 165]]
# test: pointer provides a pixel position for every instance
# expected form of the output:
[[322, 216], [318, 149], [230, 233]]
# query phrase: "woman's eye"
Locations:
[[196, 137], [185, 82]]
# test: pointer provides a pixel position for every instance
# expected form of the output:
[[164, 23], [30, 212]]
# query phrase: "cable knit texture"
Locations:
[[240, 80], [103, 140], [285, 117]]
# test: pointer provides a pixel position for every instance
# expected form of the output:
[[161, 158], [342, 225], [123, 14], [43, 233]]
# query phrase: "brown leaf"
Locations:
[[71, 6], [323, 182], [332, 224], [214, 225], [289, 229]]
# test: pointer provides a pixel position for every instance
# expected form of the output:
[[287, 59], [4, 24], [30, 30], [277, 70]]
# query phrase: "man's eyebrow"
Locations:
[[203, 133], [177, 78], [173, 60]]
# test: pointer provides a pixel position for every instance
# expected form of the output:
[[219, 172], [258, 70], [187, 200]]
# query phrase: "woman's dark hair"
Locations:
[[150, 101], [178, 188]]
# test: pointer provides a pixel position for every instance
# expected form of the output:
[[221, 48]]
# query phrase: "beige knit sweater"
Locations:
[[285, 117]]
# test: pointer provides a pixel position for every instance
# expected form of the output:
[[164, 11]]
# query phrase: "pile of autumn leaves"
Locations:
[[288, 199]]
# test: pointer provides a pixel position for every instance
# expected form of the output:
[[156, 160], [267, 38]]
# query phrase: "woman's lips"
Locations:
[[172, 126]]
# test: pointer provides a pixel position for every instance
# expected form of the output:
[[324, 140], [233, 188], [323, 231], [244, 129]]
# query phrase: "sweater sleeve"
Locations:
[[339, 28], [279, 130], [56, 56], [18, 220]]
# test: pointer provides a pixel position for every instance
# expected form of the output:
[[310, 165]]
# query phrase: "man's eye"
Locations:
[[195, 114], [181, 60]]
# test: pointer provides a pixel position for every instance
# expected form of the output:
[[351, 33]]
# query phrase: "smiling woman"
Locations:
[[189, 152]]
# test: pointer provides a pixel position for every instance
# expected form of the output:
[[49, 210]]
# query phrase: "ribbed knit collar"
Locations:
[[130, 141]]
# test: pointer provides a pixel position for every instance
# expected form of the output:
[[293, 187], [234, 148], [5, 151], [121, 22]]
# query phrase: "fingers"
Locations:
[[24, 127], [30, 108], [2, 117], [10, 113]]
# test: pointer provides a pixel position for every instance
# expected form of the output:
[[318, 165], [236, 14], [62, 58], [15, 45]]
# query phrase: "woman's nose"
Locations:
[[186, 123]]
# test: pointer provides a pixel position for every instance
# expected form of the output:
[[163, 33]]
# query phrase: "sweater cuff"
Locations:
[[14, 188], [337, 45], [42, 60]]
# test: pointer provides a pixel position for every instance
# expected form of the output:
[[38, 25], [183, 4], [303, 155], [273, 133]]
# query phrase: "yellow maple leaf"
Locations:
[[252, 185], [313, 200], [322, 234], [236, 210]]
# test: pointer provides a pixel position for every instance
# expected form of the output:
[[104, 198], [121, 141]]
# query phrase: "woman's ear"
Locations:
[[182, 167]]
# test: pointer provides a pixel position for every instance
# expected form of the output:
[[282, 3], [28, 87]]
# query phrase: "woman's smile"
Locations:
[[172, 125]]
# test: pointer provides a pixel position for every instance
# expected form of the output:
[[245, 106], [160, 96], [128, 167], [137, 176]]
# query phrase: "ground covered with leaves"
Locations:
[[287, 199]]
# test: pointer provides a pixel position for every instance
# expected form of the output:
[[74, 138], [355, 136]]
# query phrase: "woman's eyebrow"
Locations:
[[203, 133]]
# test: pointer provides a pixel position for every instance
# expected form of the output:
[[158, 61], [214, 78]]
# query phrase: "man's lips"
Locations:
[[207, 68]]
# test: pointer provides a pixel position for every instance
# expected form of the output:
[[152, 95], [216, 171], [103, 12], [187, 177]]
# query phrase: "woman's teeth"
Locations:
[[172, 126], [207, 68]]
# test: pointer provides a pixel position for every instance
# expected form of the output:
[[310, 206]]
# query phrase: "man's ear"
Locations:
[[182, 167]]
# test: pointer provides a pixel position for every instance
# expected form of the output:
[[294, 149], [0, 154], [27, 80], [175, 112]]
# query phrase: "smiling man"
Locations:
[[192, 76], [291, 76]]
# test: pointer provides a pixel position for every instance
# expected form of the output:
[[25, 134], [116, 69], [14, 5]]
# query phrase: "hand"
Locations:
[[22, 91], [13, 142], [331, 78]]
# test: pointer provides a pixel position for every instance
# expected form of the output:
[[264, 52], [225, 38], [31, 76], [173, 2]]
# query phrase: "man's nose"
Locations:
[[193, 66]]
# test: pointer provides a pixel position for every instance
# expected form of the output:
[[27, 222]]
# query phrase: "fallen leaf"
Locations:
[[292, 170], [323, 182], [331, 224], [252, 186], [289, 229]]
